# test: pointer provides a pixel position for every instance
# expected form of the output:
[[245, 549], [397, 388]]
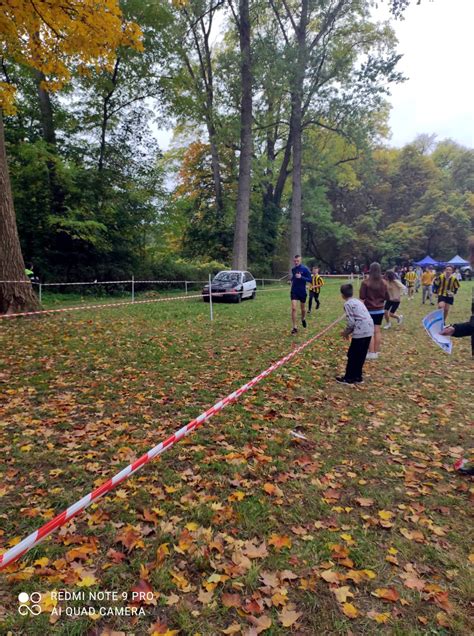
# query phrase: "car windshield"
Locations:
[[226, 277]]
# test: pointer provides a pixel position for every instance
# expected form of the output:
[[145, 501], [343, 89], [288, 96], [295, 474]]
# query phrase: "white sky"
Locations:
[[437, 43], [436, 39]]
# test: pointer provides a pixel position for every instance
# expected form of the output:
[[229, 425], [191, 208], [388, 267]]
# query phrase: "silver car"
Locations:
[[231, 285]]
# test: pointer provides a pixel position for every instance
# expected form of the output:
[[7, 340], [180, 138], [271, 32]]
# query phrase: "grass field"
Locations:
[[242, 528]]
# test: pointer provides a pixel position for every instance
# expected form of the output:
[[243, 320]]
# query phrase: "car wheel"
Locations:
[[254, 295], [239, 298]]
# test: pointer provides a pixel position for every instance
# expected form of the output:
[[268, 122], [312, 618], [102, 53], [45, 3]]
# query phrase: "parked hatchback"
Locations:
[[231, 285]]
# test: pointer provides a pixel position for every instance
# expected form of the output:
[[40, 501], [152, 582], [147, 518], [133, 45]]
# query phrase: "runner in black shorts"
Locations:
[[392, 305], [300, 275], [395, 289], [446, 286]]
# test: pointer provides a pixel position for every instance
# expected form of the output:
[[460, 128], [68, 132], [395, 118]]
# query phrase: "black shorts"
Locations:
[[300, 297], [392, 305], [446, 299], [377, 318]]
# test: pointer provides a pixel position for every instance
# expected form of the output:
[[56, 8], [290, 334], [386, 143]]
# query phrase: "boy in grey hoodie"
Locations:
[[361, 326]]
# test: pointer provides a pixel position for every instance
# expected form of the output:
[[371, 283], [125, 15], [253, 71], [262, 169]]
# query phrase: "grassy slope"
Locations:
[[84, 394]]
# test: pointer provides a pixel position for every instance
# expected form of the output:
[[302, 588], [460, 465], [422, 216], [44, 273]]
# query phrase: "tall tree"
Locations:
[[240, 247], [46, 36]]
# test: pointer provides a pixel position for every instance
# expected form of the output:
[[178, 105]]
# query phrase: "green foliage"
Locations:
[[105, 202]]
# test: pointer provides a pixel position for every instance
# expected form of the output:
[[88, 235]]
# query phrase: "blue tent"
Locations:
[[457, 261], [427, 261]]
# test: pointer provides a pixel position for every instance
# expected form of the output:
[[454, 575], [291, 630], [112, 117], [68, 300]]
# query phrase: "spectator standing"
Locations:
[[374, 294]]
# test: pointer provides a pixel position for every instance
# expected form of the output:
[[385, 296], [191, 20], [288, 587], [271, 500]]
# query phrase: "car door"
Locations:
[[248, 284]]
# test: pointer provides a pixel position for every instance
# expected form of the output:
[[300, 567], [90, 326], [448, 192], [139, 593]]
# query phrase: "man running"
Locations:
[[446, 286], [300, 275]]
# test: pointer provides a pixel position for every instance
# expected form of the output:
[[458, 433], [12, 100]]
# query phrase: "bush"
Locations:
[[169, 268]]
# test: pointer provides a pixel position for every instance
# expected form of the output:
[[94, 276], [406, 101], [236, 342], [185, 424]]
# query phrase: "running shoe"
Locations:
[[342, 380], [294, 330], [400, 319], [303, 322], [388, 325]]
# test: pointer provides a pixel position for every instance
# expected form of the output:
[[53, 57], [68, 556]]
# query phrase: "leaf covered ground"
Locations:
[[242, 528]]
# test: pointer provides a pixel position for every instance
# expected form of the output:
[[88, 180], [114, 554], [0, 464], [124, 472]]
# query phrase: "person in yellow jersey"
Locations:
[[410, 281], [315, 288], [446, 286], [427, 279]]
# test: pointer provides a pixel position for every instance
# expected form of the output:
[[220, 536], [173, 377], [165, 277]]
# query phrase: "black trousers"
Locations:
[[315, 295], [356, 357]]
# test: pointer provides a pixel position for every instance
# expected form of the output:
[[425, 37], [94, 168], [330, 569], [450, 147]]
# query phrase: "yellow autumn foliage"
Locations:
[[48, 35]]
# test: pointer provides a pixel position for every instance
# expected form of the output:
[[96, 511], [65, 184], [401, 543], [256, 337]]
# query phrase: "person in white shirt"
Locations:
[[360, 326]]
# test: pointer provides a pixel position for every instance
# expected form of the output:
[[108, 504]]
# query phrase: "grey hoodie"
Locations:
[[359, 321]]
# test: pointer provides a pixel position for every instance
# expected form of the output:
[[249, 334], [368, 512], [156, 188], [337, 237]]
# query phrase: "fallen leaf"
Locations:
[[279, 542], [342, 593], [231, 600], [261, 623], [364, 502], [288, 617], [330, 576], [378, 617], [387, 594], [350, 610], [235, 628]]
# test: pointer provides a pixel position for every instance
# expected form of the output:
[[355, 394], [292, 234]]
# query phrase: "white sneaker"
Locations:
[[400, 319], [371, 356], [388, 325]]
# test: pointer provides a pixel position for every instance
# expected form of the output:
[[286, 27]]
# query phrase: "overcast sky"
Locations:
[[436, 40]]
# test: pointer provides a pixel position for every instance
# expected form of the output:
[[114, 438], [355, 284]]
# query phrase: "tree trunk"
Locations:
[[240, 248], [15, 296], [216, 167], [46, 109], [49, 135], [297, 129]]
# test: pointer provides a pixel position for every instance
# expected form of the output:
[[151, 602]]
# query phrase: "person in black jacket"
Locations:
[[463, 329]]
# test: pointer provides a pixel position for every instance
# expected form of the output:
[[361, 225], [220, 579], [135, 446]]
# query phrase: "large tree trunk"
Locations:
[[297, 129], [14, 296], [240, 247]]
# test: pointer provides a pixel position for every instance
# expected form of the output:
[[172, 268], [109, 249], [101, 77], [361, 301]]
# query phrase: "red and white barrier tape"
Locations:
[[100, 306], [33, 539], [130, 302]]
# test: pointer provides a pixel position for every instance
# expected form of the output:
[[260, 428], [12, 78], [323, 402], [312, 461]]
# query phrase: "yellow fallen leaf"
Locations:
[[350, 610], [41, 562], [342, 593], [192, 526], [442, 619], [386, 515], [87, 580], [378, 617]]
